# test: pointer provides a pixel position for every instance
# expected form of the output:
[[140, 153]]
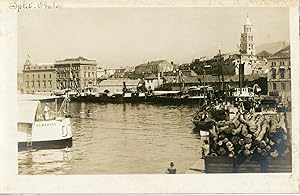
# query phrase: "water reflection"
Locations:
[[45, 161]]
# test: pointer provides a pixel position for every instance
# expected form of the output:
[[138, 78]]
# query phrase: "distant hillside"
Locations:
[[272, 47]]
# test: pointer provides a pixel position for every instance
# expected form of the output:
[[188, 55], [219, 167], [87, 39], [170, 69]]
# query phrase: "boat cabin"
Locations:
[[243, 92], [200, 92]]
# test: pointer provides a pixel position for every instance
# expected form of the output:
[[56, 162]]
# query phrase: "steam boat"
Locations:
[[42, 122]]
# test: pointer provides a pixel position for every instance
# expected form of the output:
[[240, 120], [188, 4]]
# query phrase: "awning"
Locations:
[[26, 111]]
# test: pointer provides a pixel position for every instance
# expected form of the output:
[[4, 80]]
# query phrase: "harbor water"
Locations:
[[121, 139]]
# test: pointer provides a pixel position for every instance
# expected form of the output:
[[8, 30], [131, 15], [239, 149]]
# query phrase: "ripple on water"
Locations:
[[121, 138]]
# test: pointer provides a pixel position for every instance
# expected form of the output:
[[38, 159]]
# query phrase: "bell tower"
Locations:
[[247, 39]]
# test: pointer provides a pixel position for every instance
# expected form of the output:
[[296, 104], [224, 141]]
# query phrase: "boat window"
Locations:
[[53, 109]]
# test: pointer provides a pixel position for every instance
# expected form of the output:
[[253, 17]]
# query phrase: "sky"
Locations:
[[120, 36]]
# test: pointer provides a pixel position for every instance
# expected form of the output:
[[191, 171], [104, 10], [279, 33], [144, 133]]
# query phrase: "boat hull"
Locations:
[[45, 134], [51, 144], [203, 125]]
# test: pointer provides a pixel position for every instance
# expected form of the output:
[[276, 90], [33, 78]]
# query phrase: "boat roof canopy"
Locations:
[[165, 92], [26, 111], [29, 97]]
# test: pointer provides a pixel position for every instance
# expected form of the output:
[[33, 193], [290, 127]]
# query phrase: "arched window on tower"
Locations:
[[273, 73], [274, 86], [281, 72], [282, 86]]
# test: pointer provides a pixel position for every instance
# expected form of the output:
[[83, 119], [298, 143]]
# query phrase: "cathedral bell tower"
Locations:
[[247, 39]]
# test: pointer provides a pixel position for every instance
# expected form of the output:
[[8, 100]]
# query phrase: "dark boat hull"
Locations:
[[147, 99], [44, 145], [203, 125]]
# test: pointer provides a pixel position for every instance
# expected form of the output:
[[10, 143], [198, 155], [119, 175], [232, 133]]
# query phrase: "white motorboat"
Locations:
[[42, 122]]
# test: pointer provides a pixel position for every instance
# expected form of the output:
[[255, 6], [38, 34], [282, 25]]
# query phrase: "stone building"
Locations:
[[279, 75], [39, 78], [248, 53], [75, 73], [221, 64], [153, 67], [247, 39]]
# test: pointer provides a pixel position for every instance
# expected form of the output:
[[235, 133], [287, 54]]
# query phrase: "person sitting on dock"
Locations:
[[171, 169]]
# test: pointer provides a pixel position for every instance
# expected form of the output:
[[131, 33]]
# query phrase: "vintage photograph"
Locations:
[[154, 90]]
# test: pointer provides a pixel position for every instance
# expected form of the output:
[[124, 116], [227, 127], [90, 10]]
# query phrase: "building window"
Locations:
[[282, 86], [44, 84], [44, 75], [281, 72], [273, 63], [89, 74], [27, 83], [33, 76], [38, 75], [32, 84], [274, 73], [50, 84], [50, 76], [290, 73], [274, 86], [38, 84]]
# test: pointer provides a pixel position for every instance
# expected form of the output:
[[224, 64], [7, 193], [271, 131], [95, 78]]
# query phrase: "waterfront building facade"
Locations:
[[39, 78], [154, 67], [153, 82], [221, 64], [119, 73], [20, 83], [76, 73], [279, 75]]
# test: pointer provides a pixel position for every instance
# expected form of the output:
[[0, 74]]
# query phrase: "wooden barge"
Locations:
[[225, 164]]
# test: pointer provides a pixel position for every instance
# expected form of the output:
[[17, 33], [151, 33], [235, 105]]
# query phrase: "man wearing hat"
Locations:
[[46, 111]]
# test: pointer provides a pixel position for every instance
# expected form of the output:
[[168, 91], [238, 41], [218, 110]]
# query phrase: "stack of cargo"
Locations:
[[251, 136]]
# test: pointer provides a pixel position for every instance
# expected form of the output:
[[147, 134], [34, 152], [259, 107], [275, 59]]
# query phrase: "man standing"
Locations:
[[46, 112]]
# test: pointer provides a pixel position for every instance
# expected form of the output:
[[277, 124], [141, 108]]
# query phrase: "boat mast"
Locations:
[[241, 72]]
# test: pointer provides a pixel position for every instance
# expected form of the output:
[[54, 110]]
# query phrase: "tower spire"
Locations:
[[248, 22]]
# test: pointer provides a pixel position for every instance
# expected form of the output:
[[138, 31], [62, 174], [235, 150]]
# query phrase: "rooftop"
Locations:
[[153, 63], [283, 53], [119, 82], [79, 59], [264, 53]]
